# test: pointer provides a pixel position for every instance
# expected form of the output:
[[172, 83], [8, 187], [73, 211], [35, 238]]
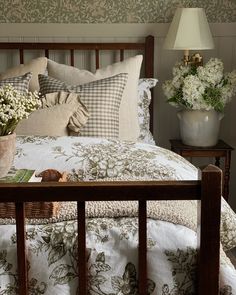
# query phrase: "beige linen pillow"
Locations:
[[128, 113], [35, 66], [60, 111]]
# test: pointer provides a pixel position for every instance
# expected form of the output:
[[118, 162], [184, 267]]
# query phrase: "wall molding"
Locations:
[[31, 30]]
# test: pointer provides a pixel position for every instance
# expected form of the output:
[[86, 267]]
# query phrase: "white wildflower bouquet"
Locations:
[[15, 106], [200, 88]]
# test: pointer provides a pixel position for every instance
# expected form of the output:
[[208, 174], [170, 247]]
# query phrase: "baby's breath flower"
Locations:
[[15, 106], [200, 88]]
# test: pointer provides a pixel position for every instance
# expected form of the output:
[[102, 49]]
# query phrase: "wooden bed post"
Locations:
[[21, 249], [142, 248], [209, 211], [82, 267], [149, 70]]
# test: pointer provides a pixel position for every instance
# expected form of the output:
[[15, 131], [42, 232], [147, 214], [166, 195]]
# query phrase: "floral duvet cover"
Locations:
[[112, 229]]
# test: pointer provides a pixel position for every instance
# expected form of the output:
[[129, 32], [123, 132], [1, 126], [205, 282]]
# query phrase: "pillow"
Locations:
[[101, 97], [35, 66], [144, 100], [60, 111], [128, 113], [228, 225], [20, 83]]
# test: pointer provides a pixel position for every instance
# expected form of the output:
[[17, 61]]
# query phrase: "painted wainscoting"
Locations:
[[166, 123]]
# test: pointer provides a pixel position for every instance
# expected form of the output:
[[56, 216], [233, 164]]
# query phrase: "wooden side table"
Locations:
[[220, 150]]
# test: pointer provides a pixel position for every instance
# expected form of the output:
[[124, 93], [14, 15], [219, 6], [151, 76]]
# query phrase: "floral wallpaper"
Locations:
[[109, 11]]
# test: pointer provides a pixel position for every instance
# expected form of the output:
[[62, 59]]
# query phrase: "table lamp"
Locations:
[[189, 30]]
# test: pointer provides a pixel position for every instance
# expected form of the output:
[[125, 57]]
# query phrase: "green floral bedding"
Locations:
[[112, 239]]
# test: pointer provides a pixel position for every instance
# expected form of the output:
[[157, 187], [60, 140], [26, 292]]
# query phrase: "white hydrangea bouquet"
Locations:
[[15, 106], [200, 88]]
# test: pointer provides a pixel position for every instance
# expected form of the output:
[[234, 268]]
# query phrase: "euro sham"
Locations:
[[35, 66]]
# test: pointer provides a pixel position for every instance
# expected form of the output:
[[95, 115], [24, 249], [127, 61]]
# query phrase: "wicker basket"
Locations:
[[37, 209], [32, 209]]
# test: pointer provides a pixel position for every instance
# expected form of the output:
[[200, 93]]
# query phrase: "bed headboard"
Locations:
[[146, 47]]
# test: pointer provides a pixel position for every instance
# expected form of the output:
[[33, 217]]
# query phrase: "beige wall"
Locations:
[[166, 124]]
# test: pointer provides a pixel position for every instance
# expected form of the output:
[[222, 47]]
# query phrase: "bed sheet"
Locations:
[[112, 235]]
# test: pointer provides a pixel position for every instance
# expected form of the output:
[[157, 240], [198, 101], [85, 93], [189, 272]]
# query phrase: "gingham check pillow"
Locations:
[[102, 99], [20, 83]]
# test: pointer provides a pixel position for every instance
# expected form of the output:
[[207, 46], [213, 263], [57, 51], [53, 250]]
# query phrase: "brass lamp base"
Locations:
[[196, 59]]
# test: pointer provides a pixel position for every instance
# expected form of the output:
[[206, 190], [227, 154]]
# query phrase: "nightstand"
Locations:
[[220, 150]]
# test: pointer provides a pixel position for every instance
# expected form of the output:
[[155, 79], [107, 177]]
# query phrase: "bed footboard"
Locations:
[[207, 191]]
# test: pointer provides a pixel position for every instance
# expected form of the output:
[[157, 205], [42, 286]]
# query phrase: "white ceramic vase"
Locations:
[[199, 127], [7, 152]]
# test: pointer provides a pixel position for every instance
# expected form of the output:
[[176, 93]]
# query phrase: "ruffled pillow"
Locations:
[[80, 115], [60, 111]]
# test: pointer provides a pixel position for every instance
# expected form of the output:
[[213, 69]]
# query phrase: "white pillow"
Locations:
[[128, 114]]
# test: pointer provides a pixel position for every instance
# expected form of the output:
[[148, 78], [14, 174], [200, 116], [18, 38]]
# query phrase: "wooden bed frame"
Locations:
[[146, 47], [207, 191]]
